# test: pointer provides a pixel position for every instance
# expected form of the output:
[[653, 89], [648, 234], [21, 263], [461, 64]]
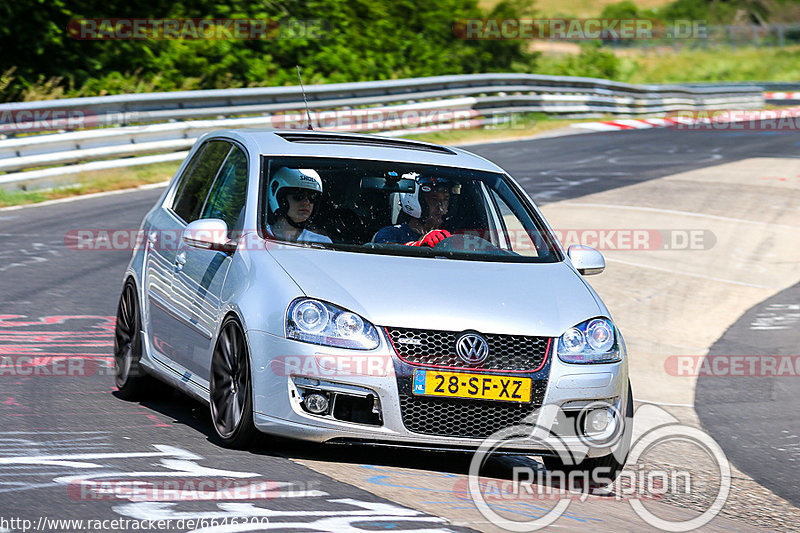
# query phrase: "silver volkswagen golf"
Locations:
[[359, 289]]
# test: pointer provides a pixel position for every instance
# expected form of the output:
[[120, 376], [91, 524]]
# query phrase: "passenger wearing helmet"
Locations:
[[427, 208], [293, 192]]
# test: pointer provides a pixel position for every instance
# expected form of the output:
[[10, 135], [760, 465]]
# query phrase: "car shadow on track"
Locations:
[[186, 411], [181, 409]]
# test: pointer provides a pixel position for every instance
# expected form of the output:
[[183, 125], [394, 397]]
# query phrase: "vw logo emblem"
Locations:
[[472, 348]]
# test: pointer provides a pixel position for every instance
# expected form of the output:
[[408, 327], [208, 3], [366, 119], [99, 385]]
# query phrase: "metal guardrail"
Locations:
[[774, 91], [766, 86], [181, 105], [162, 123]]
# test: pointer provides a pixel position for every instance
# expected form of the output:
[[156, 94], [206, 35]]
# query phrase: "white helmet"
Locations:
[[409, 201], [292, 178]]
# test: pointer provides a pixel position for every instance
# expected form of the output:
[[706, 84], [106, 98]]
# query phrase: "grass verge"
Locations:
[[93, 182], [721, 64], [663, 64]]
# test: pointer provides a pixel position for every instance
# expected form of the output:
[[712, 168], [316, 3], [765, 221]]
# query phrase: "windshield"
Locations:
[[399, 209]]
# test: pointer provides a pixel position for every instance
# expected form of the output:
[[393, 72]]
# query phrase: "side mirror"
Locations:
[[587, 260], [209, 234]]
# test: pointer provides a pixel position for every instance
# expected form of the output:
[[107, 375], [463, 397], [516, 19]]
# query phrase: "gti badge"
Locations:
[[472, 348]]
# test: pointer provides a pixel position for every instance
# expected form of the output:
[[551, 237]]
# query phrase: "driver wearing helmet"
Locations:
[[293, 192], [427, 208]]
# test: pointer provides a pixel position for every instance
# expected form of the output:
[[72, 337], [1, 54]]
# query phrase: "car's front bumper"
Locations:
[[277, 362]]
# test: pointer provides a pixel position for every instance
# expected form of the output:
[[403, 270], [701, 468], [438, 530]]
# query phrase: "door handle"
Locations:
[[180, 260]]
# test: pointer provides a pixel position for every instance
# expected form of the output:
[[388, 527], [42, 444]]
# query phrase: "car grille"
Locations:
[[438, 348], [460, 418]]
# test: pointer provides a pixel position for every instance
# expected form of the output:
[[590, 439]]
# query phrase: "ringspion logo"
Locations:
[[550, 491]]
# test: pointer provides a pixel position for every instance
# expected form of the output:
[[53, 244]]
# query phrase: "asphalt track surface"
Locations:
[[755, 419], [55, 301]]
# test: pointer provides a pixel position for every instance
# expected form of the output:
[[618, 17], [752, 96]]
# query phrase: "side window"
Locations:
[[516, 237], [193, 191], [227, 198], [188, 171]]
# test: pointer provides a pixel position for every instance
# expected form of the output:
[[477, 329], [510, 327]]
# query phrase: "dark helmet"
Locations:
[[410, 200]]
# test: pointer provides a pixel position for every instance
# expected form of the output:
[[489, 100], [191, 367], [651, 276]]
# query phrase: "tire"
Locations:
[[614, 462], [132, 381], [231, 391]]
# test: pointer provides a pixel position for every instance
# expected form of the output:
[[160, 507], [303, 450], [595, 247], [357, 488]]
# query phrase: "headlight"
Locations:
[[322, 323], [593, 341], [309, 316]]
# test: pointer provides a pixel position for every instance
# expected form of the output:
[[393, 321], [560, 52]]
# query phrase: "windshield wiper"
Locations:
[[320, 245]]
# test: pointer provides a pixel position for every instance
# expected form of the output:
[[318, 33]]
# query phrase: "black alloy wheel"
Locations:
[[230, 387], [129, 376]]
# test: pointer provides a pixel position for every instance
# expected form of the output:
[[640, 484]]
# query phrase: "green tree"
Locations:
[[362, 40]]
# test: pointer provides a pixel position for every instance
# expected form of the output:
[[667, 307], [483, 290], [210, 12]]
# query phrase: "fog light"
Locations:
[[316, 403], [598, 420]]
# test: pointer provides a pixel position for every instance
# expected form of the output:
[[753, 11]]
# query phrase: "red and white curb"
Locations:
[[633, 124], [700, 118], [782, 96]]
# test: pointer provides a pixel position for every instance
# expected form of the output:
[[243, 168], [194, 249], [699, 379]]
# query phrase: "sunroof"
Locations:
[[332, 138]]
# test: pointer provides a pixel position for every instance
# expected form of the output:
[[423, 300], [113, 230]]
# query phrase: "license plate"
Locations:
[[477, 386]]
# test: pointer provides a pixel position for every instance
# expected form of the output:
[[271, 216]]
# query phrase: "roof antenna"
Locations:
[[308, 112]]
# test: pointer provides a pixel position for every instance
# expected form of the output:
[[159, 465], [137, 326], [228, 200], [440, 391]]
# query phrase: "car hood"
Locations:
[[444, 294]]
